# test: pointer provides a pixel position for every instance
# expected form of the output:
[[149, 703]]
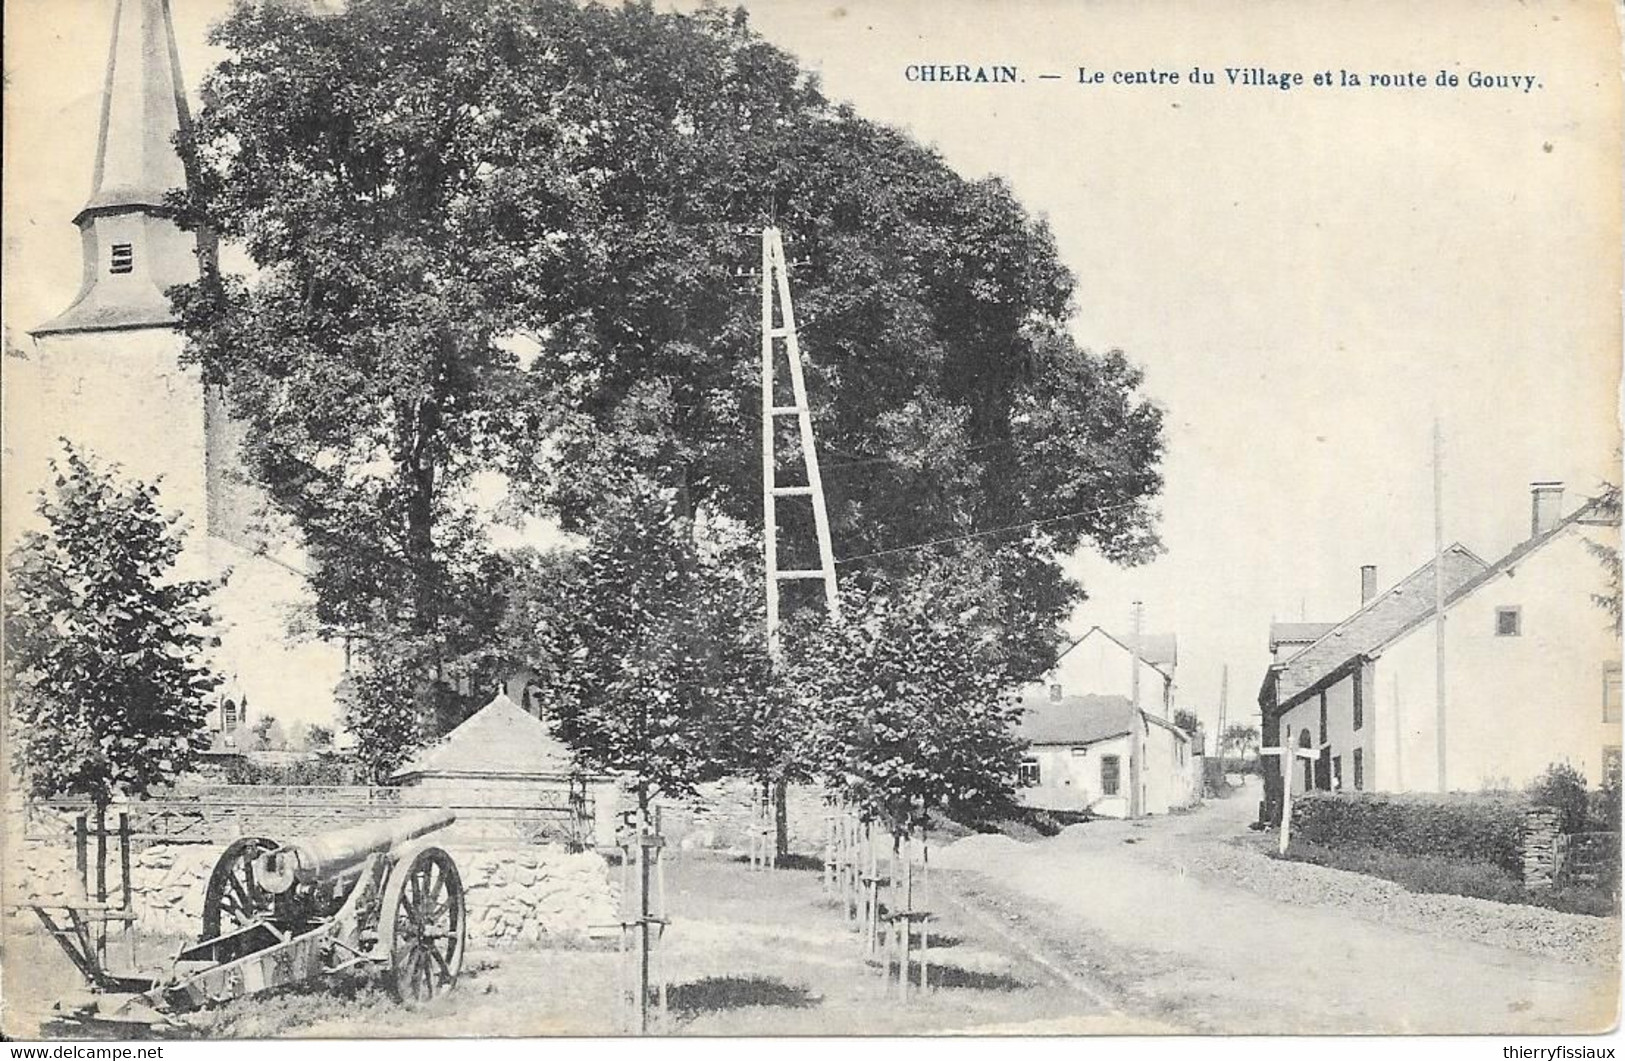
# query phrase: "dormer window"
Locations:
[[123, 258]]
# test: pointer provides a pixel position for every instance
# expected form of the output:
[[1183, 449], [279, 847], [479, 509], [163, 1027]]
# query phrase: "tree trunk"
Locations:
[[781, 819]]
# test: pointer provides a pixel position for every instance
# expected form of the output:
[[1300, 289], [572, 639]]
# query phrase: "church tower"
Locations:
[[107, 370], [108, 375]]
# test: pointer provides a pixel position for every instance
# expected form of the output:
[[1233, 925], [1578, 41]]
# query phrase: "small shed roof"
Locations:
[[499, 741]]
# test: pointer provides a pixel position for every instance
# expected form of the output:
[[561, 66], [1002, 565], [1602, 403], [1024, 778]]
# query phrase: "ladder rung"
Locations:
[[788, 410], [798, 574], [792, 491], [778, 333]]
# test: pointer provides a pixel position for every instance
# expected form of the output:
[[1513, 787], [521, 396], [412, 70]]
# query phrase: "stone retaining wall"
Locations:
[[515, 893]]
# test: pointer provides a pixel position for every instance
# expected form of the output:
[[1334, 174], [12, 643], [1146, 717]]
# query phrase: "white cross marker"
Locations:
[[1286, 778]]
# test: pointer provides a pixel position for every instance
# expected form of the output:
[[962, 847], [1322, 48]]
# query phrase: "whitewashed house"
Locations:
[[1081, 756], [1100, 664], [1531, 670]]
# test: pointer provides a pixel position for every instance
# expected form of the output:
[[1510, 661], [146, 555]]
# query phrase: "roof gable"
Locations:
[[1160, 652], [1586, 515], [498, 740], [1385, 615]]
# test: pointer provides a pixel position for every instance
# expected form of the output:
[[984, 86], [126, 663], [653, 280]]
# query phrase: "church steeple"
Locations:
[[132, 248]]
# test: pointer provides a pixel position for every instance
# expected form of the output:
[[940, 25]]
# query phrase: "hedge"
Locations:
[[1478, 827]]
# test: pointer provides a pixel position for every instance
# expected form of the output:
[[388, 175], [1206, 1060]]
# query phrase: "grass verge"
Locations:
[[1450, 876]]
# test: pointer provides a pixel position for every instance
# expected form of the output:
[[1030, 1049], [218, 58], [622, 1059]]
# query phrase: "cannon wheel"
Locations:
[[234, 898], [423, 925]]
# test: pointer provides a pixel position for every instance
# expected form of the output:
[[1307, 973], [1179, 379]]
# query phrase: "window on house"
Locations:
[[1508, 622], [1359, 769], [1337, 773], [1359, 701], [1610, 765], [1029, 773], [1323, 718], [1111, 775], [1610, 693], [1055, 691], [123, 258]]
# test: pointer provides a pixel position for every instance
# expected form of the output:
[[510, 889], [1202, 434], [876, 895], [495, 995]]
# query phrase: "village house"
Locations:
[[1531, 669], [1099, 664], [1081, 756], [1084, 727]]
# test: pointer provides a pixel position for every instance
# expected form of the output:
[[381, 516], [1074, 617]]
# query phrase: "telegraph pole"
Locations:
[[1136, 746], [1224, 702], [1438, 597]]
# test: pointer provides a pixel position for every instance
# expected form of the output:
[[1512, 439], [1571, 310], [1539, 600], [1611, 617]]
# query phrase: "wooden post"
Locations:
[[1438, 600], [81, 853], [101, 883], [127, 898], [643, 915], [1136, 742], [1288, 756]]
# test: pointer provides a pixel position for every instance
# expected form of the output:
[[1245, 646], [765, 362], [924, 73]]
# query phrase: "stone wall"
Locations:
[[515, 893], [1541, 829], [722, 818]]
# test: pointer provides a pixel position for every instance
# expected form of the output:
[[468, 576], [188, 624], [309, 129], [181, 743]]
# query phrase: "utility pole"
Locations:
[[1136, 745], [776, 281], [1438, 598], [779, 339], [1224, 702]]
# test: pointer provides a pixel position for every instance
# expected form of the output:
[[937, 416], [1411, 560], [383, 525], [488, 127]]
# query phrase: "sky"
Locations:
[[1308, 278]]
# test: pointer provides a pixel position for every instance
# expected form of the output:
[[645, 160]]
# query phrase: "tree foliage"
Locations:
[[1609, 600], [914, 713], [105, 646], [646, 645], [1240, 738], [497, 241], [1562, 787]]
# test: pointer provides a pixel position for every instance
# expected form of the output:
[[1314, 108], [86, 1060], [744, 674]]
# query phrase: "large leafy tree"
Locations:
[[365, 350], [504, 236], [105, 668]]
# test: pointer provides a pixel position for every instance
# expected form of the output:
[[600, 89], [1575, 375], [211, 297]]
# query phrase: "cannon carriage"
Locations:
[[276, 913]]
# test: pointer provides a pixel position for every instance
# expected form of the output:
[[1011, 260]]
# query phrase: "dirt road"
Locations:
[[1135, 908]]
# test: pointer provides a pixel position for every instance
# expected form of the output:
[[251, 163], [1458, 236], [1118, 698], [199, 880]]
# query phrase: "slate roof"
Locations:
[[500, 740], [1388, 614], [1079, 719], [1297, 633], [1586, 514]]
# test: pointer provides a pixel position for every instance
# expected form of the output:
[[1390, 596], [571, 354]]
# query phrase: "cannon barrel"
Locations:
[[328, 855]]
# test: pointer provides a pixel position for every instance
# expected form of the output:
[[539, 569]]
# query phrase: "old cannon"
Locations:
[[275, 913]]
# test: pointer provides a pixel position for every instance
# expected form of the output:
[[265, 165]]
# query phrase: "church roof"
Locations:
[[143, 111], [144, 137], [499, 741]]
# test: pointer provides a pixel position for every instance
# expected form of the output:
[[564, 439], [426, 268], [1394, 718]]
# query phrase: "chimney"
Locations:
[[1368, 583], [1545, 507]]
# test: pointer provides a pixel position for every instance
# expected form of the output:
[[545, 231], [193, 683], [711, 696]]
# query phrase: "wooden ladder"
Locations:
[[780, 328]]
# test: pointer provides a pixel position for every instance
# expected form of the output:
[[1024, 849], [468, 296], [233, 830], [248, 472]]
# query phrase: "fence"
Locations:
[[1590, 858], [220, 813]]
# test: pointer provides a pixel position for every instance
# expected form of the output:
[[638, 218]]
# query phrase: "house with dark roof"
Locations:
[[1530, 663], [1104, 664], [1081, 756]]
